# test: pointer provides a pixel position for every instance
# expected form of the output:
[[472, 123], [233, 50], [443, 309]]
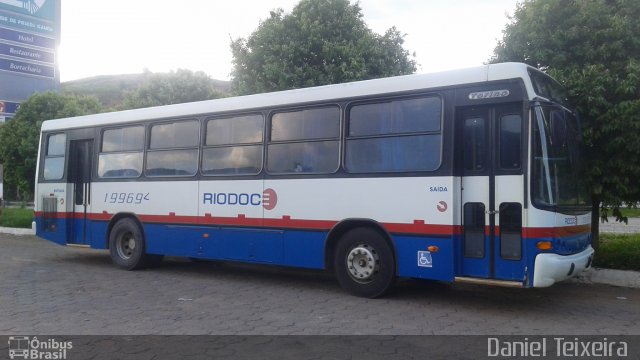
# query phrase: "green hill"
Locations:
[[111, 89]]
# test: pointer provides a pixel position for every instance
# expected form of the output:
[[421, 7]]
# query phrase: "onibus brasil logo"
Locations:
[[24, 347]]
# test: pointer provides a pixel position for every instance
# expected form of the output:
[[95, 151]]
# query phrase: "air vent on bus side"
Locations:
[[49, 213]]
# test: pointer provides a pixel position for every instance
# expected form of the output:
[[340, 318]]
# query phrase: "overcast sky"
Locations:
[[124, 36]]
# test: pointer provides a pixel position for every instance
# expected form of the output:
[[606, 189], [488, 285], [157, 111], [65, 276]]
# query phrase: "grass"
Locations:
[[630, 212], [16, 218], [618, 251]]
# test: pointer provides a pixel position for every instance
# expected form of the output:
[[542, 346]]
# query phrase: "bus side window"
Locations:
[[173, 149], [474, 144], [121, 152], [305, 141], [397, 135], [510, 142], [511, 231], [474, 230], [233, 145], [54, 157]]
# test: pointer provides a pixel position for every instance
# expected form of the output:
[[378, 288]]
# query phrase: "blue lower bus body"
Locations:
[[306, 249]]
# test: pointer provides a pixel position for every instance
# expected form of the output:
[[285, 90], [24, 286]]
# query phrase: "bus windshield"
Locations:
[[555, 178], [548, 88]]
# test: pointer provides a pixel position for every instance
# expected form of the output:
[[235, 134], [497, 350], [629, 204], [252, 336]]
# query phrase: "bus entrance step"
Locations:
[[494, 282]]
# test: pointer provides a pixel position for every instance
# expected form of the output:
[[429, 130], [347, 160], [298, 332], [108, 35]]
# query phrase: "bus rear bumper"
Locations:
[[552, 268]]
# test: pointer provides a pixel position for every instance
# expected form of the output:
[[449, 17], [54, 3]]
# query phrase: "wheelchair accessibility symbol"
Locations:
[[424, 259]]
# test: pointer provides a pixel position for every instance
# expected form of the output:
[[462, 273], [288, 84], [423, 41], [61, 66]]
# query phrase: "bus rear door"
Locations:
[[80, 165]]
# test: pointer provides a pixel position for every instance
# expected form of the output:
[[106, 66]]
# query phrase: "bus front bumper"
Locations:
[[552, 268]]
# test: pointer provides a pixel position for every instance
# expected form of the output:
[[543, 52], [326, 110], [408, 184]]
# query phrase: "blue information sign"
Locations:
[[8, 107], [27, 53], [27, 39], [26, 23], [27, 68]]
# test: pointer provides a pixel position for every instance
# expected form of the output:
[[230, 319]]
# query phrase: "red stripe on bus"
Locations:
[[417, 227]]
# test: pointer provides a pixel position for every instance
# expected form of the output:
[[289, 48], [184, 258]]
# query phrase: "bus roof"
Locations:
[[300, 96]]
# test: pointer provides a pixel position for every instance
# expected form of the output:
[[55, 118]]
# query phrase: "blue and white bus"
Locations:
[[466, 175]]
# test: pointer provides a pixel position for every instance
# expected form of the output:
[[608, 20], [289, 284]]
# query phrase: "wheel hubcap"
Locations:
[[126, 246], [363, 263]]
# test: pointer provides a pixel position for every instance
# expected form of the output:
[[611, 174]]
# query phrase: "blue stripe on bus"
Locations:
[[305, 249]]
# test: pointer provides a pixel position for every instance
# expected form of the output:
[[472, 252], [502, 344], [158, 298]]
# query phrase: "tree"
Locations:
[[19, 137], [320, 42], [593, 48], [173, 88]]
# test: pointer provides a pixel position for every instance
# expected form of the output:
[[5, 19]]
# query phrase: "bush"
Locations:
[[16, 218], [618, 251]]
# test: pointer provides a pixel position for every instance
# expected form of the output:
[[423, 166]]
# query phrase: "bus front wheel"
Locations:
[[127, 246], [364, 263]]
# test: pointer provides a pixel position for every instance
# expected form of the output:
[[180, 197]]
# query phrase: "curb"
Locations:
[[16, 231], [622, 278]]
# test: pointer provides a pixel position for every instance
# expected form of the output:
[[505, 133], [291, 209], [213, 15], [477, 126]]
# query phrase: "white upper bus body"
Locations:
[[398, 84]]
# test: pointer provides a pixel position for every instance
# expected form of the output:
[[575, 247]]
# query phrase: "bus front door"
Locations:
[[492, 193], [80, 165]]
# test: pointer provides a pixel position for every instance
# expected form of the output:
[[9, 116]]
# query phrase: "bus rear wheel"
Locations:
[[127, 246], [364, 263]]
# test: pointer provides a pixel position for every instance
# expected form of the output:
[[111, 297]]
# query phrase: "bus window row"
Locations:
[[385, 136]]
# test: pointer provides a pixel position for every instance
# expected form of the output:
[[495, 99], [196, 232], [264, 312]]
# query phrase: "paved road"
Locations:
[[621, 228], [49, 289]]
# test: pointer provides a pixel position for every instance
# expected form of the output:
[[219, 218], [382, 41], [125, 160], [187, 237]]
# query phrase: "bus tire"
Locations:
[[364, 263], [127, 246]]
